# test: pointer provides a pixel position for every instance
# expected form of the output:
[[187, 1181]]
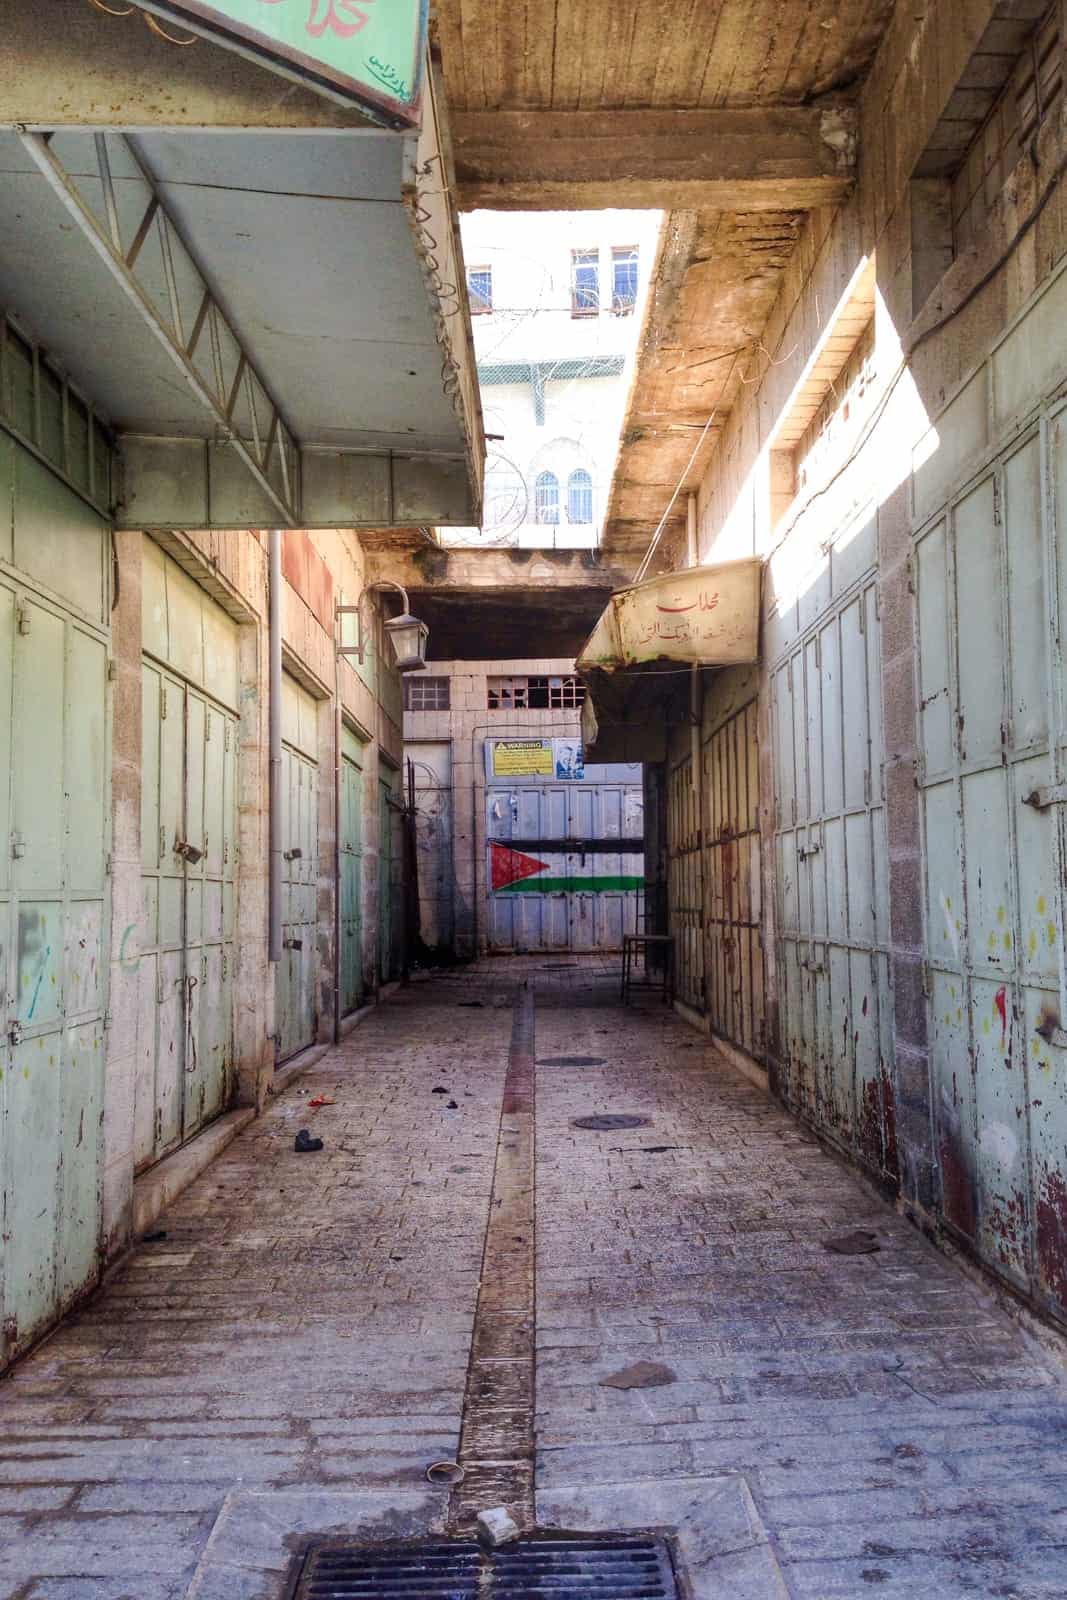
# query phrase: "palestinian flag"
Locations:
[[513, 872]]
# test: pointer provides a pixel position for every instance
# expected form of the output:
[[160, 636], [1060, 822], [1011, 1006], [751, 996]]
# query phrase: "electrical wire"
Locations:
[[646, 559]]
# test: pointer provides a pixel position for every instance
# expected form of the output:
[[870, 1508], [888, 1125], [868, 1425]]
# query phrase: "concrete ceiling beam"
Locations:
[[759, 159]]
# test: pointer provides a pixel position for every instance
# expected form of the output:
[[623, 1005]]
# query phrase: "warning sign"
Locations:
[[523, 758]]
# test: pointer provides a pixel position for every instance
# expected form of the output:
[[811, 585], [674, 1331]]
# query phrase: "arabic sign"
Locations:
[[366, 52], [537, 758], [707, 615]]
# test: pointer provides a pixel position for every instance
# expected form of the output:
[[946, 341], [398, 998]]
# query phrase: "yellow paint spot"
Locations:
[[1035, 1048], [948, 1020], [1031, 943], [948, 902], [1041, 905], [1007, 941], [959, 1014], [992, 941], [1051, 932], [985, 1024], [26, 1073], [1000, 913]]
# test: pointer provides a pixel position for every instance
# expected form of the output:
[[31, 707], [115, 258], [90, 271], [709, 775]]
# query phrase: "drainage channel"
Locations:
[[496, 1449]]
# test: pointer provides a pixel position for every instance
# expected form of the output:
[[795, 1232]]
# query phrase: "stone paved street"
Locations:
[[307, 1321]]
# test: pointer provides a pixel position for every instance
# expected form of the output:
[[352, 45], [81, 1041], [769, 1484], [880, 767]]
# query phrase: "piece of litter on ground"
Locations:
[[154, 1238], [641, 1375], [321, 1100], [452, 1105], [304, 1144], [440, 1089], [497, 1526], [860, 1242], [475, 1003]]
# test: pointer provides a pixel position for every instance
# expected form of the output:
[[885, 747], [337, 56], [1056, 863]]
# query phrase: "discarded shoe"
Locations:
[[303, 1143]]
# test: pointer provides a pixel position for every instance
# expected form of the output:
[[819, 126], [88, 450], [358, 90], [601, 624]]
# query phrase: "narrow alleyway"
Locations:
[[306, 1325]]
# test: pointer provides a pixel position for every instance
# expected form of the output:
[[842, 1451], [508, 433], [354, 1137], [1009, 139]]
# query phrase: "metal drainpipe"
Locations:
[[274, 938]]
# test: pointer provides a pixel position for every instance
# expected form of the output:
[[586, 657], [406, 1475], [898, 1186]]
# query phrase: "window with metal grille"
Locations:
[[480, 289], [546, 498], [585, 283], [427, 694], [579, 496], [535, 694], [623, 279]]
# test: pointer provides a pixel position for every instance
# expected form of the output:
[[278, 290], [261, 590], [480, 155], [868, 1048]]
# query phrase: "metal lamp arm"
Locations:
[[359, 647]]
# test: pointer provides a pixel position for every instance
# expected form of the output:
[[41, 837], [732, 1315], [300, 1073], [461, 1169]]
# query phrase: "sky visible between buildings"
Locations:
[[558, 301]]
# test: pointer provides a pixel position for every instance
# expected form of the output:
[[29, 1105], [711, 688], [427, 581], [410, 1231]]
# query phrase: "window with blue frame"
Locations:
[[546, 498], [585, 283], [623, 279], [579, 496], [480, 289]]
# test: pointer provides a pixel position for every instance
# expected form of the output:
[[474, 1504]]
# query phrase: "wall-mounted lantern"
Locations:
[[409, 636]]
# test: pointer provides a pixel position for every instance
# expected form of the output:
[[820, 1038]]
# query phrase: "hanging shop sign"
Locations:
[[704, 615], [536, 758], [367, 53]]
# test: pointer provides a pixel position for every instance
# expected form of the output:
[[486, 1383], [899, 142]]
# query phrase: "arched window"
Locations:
[[546, 498], [579, 496]]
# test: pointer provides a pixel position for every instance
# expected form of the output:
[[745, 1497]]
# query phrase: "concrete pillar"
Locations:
[[254, 982]]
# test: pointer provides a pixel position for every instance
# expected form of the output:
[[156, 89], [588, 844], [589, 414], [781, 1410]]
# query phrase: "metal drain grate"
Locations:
[[608, 1567]]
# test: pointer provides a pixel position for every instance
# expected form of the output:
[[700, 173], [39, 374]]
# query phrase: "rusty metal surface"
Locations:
[[497, 1440], [989, 604], [732, 891], [831, 880]]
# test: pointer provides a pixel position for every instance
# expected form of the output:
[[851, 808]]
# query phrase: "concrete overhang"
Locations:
[[262, 297], [496, 604]]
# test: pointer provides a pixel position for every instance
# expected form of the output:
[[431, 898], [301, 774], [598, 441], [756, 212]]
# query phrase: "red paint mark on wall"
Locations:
[[1000, 1001]]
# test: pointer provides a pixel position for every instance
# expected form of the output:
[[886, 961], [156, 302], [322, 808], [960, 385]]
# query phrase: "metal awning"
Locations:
[[637, 661], [271, 321]]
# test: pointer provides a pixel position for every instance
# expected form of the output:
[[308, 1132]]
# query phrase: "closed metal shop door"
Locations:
[[831, 880], [352, 985], [683, 884], [992, 596], [564, 861], [185, 1073], [54, 836], [390, 898], [732, 888], [295, 975]]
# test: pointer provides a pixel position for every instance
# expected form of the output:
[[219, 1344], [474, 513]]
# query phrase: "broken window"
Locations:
[[579, 496], [585, 283], [546, 498], [535, 694], [623, 279], [480, 289], [427, 694]]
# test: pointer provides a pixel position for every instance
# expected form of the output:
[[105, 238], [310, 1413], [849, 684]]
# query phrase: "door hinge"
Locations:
[[112, 669], [18, 846], [23, 616], [225, 851], [107, 865], [159, 988], [996, 502], [207, 727], [225, 964], [225, 735], [107, 1021], [928, 986], [14, 1033]]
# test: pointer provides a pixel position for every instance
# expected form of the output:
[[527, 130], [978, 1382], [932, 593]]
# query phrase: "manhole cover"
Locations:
[[610, 1567], [606, 1123], [571, 1061]]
